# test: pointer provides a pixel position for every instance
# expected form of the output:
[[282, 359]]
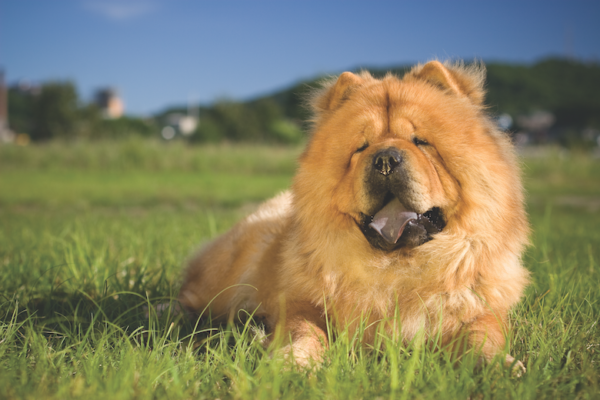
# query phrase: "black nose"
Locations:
[[387, 160]]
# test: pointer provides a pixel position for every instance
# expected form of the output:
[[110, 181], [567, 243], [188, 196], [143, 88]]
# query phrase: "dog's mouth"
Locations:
[[396, 226]]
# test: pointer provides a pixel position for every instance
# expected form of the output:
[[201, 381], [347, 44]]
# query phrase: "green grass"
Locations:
[[92, 234]]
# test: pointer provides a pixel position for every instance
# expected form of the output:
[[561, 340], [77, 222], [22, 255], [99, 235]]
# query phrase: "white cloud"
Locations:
[[122, 10]]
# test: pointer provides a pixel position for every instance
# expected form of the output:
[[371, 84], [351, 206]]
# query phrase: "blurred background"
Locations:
[[236, 71]]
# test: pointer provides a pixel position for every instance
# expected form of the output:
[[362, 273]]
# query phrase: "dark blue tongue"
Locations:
[[391, 220]]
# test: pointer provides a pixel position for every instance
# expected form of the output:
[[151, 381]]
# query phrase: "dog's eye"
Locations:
[[420, 142], [363, 147]]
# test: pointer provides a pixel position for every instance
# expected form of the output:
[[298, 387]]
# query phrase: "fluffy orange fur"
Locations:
[[302, 254]]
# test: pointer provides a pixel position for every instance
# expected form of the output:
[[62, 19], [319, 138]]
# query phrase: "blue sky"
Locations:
[[160, 53]]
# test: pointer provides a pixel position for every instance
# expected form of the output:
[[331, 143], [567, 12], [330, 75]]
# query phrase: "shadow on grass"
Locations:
[[146, 322]]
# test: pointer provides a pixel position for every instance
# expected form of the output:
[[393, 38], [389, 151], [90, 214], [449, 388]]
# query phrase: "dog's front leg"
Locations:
[[302, 334], [488, 334]]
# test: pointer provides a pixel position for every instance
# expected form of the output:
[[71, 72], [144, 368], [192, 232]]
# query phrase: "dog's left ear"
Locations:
[[457, 79], [334, 94]]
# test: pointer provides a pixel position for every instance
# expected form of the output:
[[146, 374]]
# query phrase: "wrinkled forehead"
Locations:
[[394, 108]]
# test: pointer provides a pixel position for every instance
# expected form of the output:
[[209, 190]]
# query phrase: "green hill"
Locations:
[[568, 89]]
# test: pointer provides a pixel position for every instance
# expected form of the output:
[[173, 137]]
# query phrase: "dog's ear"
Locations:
[[455, 78], [333, 94]]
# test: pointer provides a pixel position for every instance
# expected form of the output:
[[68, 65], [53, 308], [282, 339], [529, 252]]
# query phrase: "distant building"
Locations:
[[179, 123], [537, 124], [110, 103], [27, 88]]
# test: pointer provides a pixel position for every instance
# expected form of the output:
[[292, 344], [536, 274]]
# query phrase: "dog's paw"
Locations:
[[306, 353], [516, 366]]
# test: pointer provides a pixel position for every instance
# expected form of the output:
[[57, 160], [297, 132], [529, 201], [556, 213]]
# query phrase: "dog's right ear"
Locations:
[[334, 94], [454, 78]]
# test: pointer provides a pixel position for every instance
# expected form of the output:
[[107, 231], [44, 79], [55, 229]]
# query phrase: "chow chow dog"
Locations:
[[406, 212]]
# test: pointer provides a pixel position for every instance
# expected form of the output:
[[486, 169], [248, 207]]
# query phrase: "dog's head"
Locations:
[[402, 158]]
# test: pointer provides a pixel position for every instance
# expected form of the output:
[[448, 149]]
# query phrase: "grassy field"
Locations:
[[90, 235]]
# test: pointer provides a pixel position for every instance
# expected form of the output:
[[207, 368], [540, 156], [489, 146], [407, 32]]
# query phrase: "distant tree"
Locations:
[[20, 109], [89, 121], [266, 111], [285, 131], [293, 101], [55, 111], [232, 116], [566, 88], [261, 120], [208, 131], [126, 127]]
